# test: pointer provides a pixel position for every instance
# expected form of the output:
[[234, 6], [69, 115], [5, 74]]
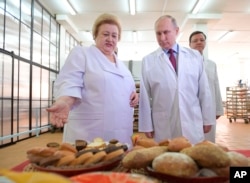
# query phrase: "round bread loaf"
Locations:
[[176, 164], [208, 156]]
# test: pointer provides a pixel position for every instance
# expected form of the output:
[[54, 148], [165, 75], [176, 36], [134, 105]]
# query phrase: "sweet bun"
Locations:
[[96, 144], [68, 147], [66, 160], [145, 142], [41, 151], [82, 158], [176, 164], [50, 160], [178, 143], [164, 142], [114, 154], [64, 153], [96, 158]]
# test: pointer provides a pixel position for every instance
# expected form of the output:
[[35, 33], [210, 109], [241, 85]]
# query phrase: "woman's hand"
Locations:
[[59, 111], [134, 99]]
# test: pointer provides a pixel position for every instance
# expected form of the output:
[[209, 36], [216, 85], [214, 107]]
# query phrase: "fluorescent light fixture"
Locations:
[[223, 36], [70, 7], [134, 37], [132, 7], [198, 5]]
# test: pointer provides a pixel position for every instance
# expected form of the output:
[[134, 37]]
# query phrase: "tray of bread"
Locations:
[[178, 161], [73, 159]]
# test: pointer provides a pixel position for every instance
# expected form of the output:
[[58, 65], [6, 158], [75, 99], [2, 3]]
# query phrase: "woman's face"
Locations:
[[107, 38]]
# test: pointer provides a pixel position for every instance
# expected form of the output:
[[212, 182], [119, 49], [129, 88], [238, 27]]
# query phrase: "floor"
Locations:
[[235, 135]]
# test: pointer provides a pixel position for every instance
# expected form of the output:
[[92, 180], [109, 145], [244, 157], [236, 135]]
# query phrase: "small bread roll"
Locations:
[[96, 158], [114, 154], [145, 142], [68, 147], [176, 164], [178, 143], [83, 158], [66, 160]]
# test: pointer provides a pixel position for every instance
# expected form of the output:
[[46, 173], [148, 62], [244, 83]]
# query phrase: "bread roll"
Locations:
[[141, 158], [68, 147], [178, 143], [176, 164], [145, 142], [208, 156]]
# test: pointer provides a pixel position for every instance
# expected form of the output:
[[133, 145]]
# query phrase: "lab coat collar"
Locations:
[[105, 63]]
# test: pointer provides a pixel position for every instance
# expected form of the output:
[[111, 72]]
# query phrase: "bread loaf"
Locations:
[[208, 156], [141, 158], [176, 164]]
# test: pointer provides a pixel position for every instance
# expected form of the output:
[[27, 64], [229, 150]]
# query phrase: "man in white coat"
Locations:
[[174, 103], [197, 40]]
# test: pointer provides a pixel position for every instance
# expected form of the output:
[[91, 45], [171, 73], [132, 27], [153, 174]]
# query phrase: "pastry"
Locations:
[[68, 147], [178, 143], [114, 154], [96, 158]]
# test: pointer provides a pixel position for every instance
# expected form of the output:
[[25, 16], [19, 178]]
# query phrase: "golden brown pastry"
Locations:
[[68, 147], [66, 160], [207, 155], [176, 164], [145, 142], [96, 158], [114, 154], [141, 158], [178, 143]]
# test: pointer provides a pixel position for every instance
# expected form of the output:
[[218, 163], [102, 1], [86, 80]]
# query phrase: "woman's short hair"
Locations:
[[106, 19]]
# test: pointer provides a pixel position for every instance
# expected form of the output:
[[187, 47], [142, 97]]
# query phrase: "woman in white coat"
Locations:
[[174, 103], [95, 92], [197, 40]]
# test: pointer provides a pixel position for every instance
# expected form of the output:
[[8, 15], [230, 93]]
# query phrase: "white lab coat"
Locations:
[[172, 105], [103, 90], [212, 75]]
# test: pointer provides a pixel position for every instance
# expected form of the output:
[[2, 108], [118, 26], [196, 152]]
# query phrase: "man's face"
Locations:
[[198, 42], [166, 33]]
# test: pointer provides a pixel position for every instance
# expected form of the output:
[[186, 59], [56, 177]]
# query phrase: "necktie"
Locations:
[[172, 58]]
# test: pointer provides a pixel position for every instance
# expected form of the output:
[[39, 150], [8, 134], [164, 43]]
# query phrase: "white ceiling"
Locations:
[[215, 18]]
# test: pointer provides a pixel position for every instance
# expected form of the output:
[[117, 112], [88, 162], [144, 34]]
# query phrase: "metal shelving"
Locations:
[[238, 103]]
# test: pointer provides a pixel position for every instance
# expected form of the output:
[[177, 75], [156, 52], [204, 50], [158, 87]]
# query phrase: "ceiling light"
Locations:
[[132, 7], [70, 7], [226, 34], [198, 5]]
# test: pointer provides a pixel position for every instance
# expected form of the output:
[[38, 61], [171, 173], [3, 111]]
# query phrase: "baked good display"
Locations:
[[176, 164], [68, 157]]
